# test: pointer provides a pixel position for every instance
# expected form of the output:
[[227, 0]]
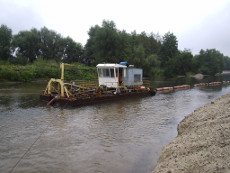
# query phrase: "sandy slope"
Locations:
[[203, 142]]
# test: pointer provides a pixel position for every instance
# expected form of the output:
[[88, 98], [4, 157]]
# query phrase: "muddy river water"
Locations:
[[125, 136]]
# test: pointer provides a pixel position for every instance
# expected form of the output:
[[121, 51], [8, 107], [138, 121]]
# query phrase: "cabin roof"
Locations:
[[111, 66]]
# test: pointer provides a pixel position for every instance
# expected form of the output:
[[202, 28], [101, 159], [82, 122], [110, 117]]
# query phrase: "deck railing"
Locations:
[[90, 88]]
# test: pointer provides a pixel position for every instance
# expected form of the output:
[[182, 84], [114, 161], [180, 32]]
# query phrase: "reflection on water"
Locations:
[[125, 136]]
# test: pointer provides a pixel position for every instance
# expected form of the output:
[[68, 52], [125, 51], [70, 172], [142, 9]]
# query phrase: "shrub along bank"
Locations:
[[43, 69]]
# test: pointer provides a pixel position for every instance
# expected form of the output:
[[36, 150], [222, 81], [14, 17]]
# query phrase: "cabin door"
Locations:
[[120, 76]]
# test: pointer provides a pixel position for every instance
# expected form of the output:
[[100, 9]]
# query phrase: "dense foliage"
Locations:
[[158, 55], [44, 69]]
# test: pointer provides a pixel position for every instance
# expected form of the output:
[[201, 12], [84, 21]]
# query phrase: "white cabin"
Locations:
[[116, 75]]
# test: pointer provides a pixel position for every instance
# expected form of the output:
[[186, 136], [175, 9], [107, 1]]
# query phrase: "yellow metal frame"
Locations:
[[63, 88], [61, 83]]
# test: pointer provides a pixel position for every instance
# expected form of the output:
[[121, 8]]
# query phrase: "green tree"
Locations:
[[170, 69], [169, 48], [152, 65], [5, 42], [226, 63], [184, 63], [210, 61], [106, 43], [154, 43], [139, 56], [27, 44], [142, 46], [88, 56], [51, 44], [124, 50], [72, 51]]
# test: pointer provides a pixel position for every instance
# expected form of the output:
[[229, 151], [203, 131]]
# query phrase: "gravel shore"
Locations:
[[203, 142]]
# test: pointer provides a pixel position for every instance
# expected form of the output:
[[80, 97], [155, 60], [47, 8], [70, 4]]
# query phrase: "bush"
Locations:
[[43, 69]]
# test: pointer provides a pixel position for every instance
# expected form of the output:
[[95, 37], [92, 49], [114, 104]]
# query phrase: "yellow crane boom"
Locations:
[[62, 66]]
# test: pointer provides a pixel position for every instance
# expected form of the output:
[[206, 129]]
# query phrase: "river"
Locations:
[[117, 137]]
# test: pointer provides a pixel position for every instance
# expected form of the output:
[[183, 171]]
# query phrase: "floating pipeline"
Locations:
[[207, 84], [201, 85], [181, 87], [210, 84], [226, 82], [166, 89]]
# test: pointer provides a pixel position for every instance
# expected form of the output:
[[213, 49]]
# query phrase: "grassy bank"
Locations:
[[43, 69]]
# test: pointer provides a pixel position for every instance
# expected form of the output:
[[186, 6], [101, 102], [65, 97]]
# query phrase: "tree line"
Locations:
[[157, 55]]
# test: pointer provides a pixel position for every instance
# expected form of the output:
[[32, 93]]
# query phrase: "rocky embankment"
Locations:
[[203, 142]]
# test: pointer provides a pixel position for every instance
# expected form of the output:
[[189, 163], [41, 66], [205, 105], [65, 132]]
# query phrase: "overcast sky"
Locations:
[[197, 24]]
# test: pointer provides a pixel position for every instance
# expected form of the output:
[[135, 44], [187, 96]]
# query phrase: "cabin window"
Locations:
[[106, 73], [125, 72], [137, 77], [112, 72], [100, 72], [116, 72]]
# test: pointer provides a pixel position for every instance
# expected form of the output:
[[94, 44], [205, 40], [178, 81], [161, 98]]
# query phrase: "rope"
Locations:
[[28, 101], [28, 150]]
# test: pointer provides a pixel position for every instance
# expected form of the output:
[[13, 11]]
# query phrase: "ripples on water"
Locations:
[[125, 136]]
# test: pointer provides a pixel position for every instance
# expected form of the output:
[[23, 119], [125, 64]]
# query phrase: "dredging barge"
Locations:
[[115, 81]]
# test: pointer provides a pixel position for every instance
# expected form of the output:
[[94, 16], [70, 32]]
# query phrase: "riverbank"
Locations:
[[203, 142]]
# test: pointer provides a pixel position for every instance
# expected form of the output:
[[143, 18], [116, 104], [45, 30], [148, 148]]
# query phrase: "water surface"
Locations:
[[118, 137]]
